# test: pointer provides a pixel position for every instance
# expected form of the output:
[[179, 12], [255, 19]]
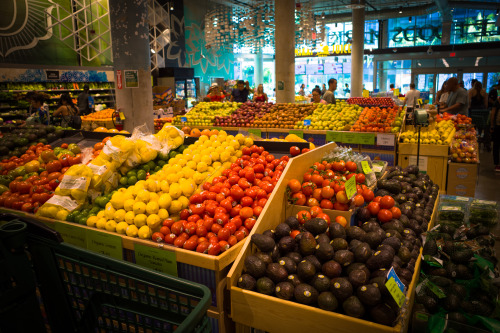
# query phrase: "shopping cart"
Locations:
[[81, 291]]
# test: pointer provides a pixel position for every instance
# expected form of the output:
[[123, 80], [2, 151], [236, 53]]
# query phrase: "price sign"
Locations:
[[349, 137], [307, 122], [395, 292], [298, 133], [350, 187], [385, 139], [333, 136], [366, 167], [122, 116], [72, 234], [105, 243], [183, 119], [366, 138], [255, 131], [366, 93], [160, 260]]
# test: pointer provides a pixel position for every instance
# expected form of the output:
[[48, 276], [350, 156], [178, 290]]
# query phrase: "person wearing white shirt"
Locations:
[[411, 101]]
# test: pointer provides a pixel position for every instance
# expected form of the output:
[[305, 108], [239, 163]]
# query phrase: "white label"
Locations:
[[385, 139], [450, 208], [111, 150], [74, 183], [484, 202], [98, 169], [422, 162], [64, 202], [377, 168], [93, 194], [462, 199]]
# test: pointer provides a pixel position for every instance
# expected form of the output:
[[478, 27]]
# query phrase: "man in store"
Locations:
[[329, 96], [458, 99], [411, 100], [84, 101], [240, 94], [493, 95], [391, 87], [346, 89]]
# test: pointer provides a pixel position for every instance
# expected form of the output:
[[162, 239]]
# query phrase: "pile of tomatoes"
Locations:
[[323, 185], [459, 119], [227, 208], [305, 215], [383, 209]]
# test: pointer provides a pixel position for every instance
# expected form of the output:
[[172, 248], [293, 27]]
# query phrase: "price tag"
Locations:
[[122, 116], [72, 234], [392, 274], [350, 187], [394, 290], [298, 133], [396, 92], [255, 131], [348, 137], [366, 167], [105, 243], [183, 119], [385, 139], [160, 260], [307, 122], [366, 93], [366, 138], [333, 136]]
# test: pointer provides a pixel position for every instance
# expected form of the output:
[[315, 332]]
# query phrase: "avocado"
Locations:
[[255, 267], [265, 257], [307, 244], [294, 279], [337, 231], [316, 226], [344, 257], [286, 244], [404, 254], [454, 318], [362, 252], [463, 272], [369, 295], [314, 260], [438, 272], [358, 277], [373, 238], [461, 256], [324, 252], [440, 281], [285, 290], [451, 302], [306, 270], [370, 226], [405, 274], [327, 301], [320, 283], [379, 282], [393, 186], [380, 259], [355, 232], [292, 222], [341, 288], [295, 256], [354, 244], [339, 244], [458, 289], [392, 241], [385, 247], [246, 281], [282, 230], [265, 286], [289, 264], [353, 307], [322, 238], [306, 294], [331, 269], [393, 225], [276, 272], [363, 214], [383, 314], [263, 243], [430, 304], [275, 253], [269, 233]]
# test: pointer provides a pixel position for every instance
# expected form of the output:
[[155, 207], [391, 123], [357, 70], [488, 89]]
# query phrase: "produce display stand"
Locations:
[[462, 179], [90, 125], [84, 291], [254, 310]]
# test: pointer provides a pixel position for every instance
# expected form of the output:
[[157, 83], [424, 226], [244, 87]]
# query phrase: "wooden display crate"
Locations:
[[462, 179]]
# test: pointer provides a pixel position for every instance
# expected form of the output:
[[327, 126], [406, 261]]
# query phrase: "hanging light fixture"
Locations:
[[171, 6], [409, 19], [400, 10]]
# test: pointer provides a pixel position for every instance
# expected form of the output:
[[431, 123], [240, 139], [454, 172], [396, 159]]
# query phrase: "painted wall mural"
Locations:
[[40, 75]]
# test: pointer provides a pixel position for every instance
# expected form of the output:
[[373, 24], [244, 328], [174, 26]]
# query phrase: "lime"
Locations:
[[181, 148], [141, 174], [95, 210], [81, 219], [123, 181], [152, 165], [157, 168], [172, 154], [132, 180], [144, 167], [161, 163], [131, 173], [71, 216], [85, 211], [163, 157], [101, 201]]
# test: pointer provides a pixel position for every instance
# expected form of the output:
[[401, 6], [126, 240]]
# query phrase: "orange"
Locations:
[[341, 220], [195, 132], [186, 130], [214, 132], [205, 132]]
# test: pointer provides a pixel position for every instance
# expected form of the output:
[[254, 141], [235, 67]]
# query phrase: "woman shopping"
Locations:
[[215, 94], [260, 95], [66, 111]]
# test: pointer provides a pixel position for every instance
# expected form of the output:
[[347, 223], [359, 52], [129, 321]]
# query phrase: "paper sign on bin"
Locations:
[[333, 136], [255, 131], [160, 260], [300, 134], [72, 234], [104, 243]]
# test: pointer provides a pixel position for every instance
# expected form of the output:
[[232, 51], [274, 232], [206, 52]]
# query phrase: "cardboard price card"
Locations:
[[366, 167], [350, 187], [72, 234], [104, 243], [160, 260], [349, 137], [298, 133], [255, 131], [333, 136]]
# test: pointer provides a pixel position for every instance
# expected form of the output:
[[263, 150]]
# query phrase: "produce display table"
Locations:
[[462, 179]]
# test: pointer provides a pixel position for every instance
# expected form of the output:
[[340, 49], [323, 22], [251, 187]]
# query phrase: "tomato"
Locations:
[[23, 187], [327, 192], [341, 220], [224, 234], [317, 194], [358, 200], [368, 195], [190, 228], [246, 201], [299, 199], [237, 192], [64, 146], [177, 228], [266, 186], [327, 204], [249, 223], [384, 215], [214, 249], [324, 217], [360, 178], [303, 216], [308, 188], [221, 219], [240, 235], [317, 179], [396, 212], [53, 166], [168, 222], [191, 243], [158, 237], [232, 240], [305, 150], [235, 211], [231, 227], [311, 202], [373, 208], [377, 199], [246, 212], [294, 151], [44, 197], [294, 185], [351, 166], [342, 197], [387, 202], [315, 211], [13, 186], [203, 247], [27, 207], [17, 205], [54, 184]]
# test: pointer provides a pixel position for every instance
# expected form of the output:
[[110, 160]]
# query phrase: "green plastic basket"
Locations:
[[88, 292]]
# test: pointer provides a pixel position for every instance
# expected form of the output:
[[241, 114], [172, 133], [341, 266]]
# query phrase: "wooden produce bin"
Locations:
[[462, 179], [250, 309]]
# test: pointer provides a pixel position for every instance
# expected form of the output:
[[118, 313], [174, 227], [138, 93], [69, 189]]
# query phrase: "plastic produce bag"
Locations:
[[117, 150], [170, 137], [146, 148], [101, 171], [75, 182], [58, 207]]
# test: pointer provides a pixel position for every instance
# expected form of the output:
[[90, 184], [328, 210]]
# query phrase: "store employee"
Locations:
[[240, 94], [458, 99]]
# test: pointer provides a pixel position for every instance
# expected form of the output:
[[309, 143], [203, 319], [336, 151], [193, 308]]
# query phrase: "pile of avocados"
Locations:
[[460, 282], [16, 142]]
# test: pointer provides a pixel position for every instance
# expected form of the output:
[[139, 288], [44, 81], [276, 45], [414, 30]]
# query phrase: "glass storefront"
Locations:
[[415, 31], [341, 33], [397, 72], [474, 26]]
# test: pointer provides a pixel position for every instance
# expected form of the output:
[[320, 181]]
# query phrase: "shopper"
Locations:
[[302, 92], [472, 83], [492, 96], [323, 89], [391, 87], [442, 95], [215, 94], [85, 101], [329, 95], [247, 87], [260, 95], [458, 100], [347, 90], [461, 84], [40, 114], [478, 99], [495, 133], [316, 96], [240, 94], [411, 99], [66, 110]]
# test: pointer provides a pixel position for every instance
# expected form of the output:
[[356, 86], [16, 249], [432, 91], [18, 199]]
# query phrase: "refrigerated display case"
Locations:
[[184, 81]]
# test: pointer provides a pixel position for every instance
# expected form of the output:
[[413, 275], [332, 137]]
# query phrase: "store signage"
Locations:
[[350, 187], [119, 82], [72, 234], [255, 131], [104, 243], [298, 133], [323, 51], [333, 136], [411, 33], [131, 79], [159, 260], [385, 139], [52, 75]]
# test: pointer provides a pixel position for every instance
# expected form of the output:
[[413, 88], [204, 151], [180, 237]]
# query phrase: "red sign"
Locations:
[[119, 79]]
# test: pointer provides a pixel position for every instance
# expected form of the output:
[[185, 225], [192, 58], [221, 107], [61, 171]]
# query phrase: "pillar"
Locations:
[[131, 52], [284, 41], [357, 49], [259, 68]]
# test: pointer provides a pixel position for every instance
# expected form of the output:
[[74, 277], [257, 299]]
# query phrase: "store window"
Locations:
[[474, 26], [341, 33], [397, 72], [415, 31], [468, 77], [493, 79]]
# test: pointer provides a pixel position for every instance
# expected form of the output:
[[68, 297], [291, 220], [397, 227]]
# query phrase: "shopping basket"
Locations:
[[87, 292]]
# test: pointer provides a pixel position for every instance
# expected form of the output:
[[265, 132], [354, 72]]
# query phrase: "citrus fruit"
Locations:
[[152, 207], [121, 228], [111, 225], [129, 217], [143, 196], [153, 221], [140, 220], [101, 223], [175, 207], [163, 213], [164, 201], [132, 230], [119, 215], [92, 221], [139, 207], [128, 205]]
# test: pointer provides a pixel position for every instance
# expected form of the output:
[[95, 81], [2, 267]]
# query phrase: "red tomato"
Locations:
[[342, 197], [294, 185], [24, 187], [384, 215], [190, 228], [324, 217], [317, 179], [368, 195], [317, 194], [224, 234], [305, 150], [294, 151], [249, 223], [165, 230], [177, 228], [27, 207], [396, 212], [191, 243], [340, 206], [214, 249], [299, 199], [373, 208], [158, 237], [246, 212], [246, 201], [237, 192], [327, 192], [53, 166], [303, 216], [232, 240], [387, 202], [351, 166], [360, 178], [308, 188], [202, 247], [327, 204], [311, 202], [315, 211], [358, 200], [221, 219], [341, 220], [240, 235], [377, 199]]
